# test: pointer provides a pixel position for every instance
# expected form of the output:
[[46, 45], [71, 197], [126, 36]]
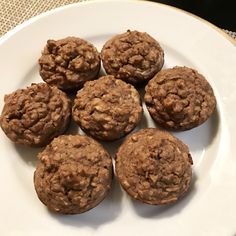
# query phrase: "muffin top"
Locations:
[[107, 108], [134, 57], [74, 174], [179, 98], [35, 115], [154, 167], [68, 63]]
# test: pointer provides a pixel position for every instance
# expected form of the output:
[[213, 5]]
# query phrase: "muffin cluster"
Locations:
[[75, 172]]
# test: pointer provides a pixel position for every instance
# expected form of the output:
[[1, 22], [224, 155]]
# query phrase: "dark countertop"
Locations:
[[222, 13]]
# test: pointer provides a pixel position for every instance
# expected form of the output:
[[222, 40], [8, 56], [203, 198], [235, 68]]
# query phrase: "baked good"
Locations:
[[154, 167], [68, 63], [179, 98], [35, 115], [107, 108], [74, 174], [134, 57]]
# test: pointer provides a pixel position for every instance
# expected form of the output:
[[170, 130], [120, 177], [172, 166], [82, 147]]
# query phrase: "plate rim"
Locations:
[[29, 21]]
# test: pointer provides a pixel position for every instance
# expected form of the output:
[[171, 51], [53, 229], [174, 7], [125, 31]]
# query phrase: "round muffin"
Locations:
[[179, 98], [134, 57], [107, 108], [154, 167], [74, 174], [68, 63], [35, 115]]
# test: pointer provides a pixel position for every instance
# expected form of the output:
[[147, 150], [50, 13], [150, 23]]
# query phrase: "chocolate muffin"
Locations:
[[134, 57], [107, 108], [74, 174], [68, 63], [179, 98], [35, 115], [154, 167]]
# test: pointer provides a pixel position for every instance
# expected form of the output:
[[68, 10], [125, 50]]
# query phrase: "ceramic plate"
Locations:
[[209, 207]]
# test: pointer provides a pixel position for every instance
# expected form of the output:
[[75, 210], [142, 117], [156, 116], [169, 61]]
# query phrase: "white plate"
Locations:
[[209, 208]]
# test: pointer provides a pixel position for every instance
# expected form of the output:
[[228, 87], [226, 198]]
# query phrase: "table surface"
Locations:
[[14, 12]]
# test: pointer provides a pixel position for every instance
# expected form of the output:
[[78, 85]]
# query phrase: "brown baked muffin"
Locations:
[[74, 174], [68, 63], [107, 108], [179, 98], [154, 167], [134, 57], [35, 115]]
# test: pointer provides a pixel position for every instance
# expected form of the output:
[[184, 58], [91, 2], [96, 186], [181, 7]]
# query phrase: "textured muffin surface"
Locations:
[[107, 108], [154, 167], [74, 174], [134, 57], [68, 63], [35, 115], [179, 98]]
